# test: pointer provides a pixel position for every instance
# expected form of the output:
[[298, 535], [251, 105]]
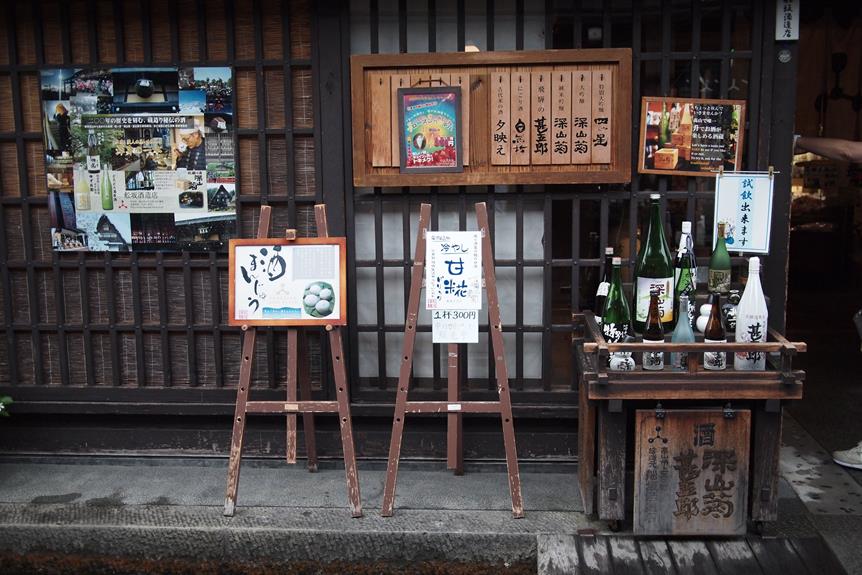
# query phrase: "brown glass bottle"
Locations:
[[714, 333], [653, 333]]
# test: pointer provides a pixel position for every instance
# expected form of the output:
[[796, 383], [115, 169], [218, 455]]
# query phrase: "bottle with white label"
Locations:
[[751, 321], [685, 271], [604, 285], [714, 333], [682, 333], [82, 190], [654, 271], [93, 162]]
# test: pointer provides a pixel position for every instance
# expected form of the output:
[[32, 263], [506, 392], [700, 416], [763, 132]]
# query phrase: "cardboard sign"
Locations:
[[691, 472], [743, 201], [453, 278], [287, 282]]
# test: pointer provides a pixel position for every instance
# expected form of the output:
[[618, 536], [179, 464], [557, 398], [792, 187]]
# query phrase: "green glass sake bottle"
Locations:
[[685, 272], [719, 265], [654, 271], [616, 319], [605, 284]]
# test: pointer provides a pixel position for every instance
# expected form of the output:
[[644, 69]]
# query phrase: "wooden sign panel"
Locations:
[[691, 472], [287, 282], [553, 116], [690, 137]]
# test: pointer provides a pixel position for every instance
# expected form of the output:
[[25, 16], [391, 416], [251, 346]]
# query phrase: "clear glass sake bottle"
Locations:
[[714, 333], [605, 284], [653, 333], [682, 333], [751, 320], [719, 265], [654, 271], [616, 319], [684, 272]]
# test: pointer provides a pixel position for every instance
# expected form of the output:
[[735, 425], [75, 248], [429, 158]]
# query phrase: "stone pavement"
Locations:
[[172, 508]]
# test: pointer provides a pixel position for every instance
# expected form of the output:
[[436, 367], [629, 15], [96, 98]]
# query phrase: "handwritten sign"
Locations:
[[582, 116], [602, 105], [690, 137], [500, 124], [787, 20], [520, 118], [455, 326], [743, 201], [453, 279], [282, 282], [691, 472], [540, 131]]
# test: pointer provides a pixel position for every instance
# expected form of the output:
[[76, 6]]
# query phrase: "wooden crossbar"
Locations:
[[292, 406], [453, 407]]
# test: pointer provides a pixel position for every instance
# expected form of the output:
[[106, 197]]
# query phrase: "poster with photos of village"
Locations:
[[139, 159]]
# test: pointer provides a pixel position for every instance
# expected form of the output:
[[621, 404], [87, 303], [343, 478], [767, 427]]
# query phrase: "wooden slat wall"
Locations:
[[147, 320]]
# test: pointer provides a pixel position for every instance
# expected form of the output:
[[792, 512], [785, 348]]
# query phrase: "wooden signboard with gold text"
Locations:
[[544, 117], [691, 472]]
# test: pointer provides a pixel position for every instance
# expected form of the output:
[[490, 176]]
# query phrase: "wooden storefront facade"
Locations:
[[132, 352]]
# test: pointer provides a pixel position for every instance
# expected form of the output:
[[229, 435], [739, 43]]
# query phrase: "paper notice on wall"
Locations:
[[455, 326], [453, 277]]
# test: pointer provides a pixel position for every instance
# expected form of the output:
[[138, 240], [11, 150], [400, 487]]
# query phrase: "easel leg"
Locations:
[[411, 319], [344, 421], [495, 327], [239, 422], [305, 395], [454, 438], [292, 349]]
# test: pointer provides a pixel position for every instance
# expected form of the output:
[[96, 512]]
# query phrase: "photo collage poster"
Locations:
[[139, 159]]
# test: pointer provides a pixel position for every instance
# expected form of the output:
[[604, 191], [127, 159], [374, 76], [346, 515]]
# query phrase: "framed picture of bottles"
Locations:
[[689, 136], [139, 159]]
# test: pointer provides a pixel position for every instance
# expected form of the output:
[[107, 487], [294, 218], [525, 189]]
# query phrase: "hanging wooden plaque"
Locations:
[[544, 117]]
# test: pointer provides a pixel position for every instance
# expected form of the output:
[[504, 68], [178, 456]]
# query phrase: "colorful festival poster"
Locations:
[[430, 126]]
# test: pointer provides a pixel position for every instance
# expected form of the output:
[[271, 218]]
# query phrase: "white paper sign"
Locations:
[[787, 20], [744, 203], [454, 326], [453, 277]]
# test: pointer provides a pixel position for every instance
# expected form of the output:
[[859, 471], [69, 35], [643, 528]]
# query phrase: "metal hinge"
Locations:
[[729, 412], [659, 411]]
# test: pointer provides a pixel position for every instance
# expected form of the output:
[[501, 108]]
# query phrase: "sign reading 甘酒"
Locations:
[[287, 282], [691, 472], [139, 159], [453, 285], [690, 137]]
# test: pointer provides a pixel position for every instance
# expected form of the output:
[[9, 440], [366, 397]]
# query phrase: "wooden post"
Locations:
[[242, 392], [454, 424]]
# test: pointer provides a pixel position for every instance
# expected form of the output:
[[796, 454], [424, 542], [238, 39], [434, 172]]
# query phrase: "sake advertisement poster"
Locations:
[[287, 282], [430, 120], [691, 137], [139, 159]]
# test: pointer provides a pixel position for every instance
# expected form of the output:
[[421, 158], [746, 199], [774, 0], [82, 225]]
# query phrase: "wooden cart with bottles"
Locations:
[[610, 471]]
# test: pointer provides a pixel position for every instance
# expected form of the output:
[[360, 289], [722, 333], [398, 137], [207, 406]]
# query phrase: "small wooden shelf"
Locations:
[[778, 381]]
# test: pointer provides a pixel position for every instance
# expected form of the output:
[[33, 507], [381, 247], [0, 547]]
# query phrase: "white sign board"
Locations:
[[455, 326], [453, 277], [743, 201], [277, 282], [787, 20]]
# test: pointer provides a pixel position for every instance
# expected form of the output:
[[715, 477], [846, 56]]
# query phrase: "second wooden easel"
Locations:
[[453, 407]]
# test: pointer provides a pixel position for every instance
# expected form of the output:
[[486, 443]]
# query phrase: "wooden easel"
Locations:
[[292, 406], [453, 407]]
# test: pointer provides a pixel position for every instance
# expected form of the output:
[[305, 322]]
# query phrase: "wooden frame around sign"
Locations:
[[642, 169], [459, 134], [342, 263], [376, 74]]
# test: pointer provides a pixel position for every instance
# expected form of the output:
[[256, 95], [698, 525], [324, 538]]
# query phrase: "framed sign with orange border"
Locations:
[[287, 282], [690, 136]]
